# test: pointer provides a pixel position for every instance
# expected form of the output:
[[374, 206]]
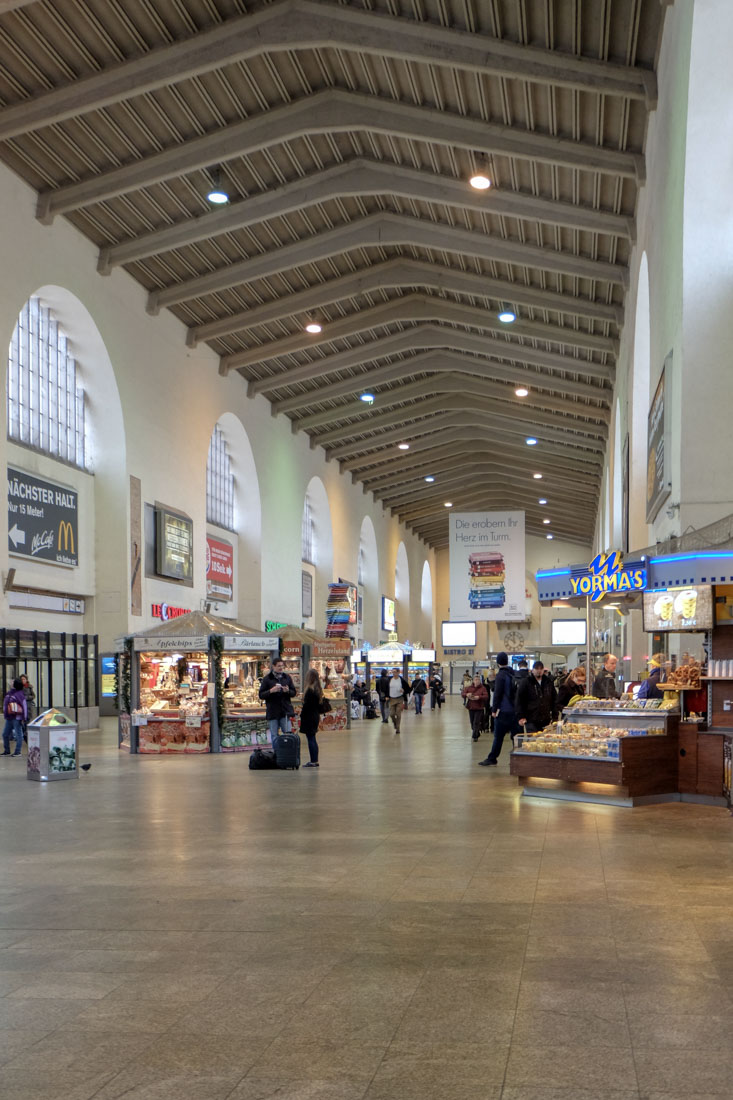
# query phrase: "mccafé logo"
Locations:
[[66, 537], [165, 611], [606, 574]]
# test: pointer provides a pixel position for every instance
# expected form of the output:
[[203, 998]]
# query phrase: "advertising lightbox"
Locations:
[[458, 634]]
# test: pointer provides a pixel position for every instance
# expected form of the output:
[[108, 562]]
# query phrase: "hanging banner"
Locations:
[[219, 568], [487, 581], [658, 476]]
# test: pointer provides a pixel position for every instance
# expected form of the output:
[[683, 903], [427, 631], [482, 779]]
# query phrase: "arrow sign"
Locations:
[[16, 536]]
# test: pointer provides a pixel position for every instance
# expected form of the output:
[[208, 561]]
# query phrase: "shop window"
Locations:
[[308, 534], [219, 482], [46, 405]]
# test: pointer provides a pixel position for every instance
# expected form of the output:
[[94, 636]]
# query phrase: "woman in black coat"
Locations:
[[310, 714]]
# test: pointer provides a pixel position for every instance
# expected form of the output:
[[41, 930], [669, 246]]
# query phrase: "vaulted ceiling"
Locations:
[[345, 134]]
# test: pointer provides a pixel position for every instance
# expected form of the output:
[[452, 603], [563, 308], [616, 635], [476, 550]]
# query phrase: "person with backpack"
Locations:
[[418, 690], [504, 715], [15, 711]]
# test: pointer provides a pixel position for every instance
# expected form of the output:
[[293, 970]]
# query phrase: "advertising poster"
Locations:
[[388, 613], [219, 568], [688, 608], [34, 750], [657, 465], [43, 519], [62, 751], [306, 581], [487, 572], [174, 545]]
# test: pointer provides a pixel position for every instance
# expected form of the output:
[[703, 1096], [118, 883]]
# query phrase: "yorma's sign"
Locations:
[[42, 519], [607, 575]]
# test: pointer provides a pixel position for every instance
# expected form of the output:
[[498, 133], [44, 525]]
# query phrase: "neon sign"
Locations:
[[606, 575]]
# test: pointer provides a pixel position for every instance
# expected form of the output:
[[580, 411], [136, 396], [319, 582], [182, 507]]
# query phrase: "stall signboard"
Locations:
[[43, 519], [422, 655], [331, 648], [174, 545], [608, 575], [219, 568], [388, 614], [386, 657], [271, 626], [251, 643], [292, 650], [686, 608], [148, 643], [487, 562], [658, 485]]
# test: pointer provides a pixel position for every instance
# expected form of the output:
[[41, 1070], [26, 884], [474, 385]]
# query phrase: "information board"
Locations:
[[43, 519], [174, 545]]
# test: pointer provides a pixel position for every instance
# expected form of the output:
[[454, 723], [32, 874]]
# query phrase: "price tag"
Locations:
[[193, 721], [139, 719]]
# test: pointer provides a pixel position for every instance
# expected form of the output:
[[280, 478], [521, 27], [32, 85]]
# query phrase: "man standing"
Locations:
[[536, 700], [399, 689], [604, 685], [277, 689], [503, 709], [382, 688]]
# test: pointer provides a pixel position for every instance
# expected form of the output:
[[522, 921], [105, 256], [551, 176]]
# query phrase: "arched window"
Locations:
[[45, 401], [308, 538], [219, 482], [360, 567]]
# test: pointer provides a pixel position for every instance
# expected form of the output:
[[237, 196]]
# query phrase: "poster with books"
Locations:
[[487, 581]]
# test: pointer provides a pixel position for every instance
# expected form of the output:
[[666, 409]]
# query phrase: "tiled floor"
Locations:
[[397, 924]]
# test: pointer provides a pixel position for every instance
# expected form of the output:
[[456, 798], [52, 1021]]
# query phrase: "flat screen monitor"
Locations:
[[677, 609], [459, 634], [568, 631], [174, 545], [388, 614]]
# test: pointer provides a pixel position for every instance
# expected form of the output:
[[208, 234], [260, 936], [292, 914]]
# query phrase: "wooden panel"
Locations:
[[544, 767], [593, 771], [571, 771], [687, 764], [650, 764], [710, 764]]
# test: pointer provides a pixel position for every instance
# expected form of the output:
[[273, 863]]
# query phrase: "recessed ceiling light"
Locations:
[[429, 478], [550, 536], [531, 442], [507, 316], [217, 193], [542, 500], [367, 398], [403, 446], [480, 181], [537, 477], [521, 391], [546, 521], [449, 503], [313, 327]]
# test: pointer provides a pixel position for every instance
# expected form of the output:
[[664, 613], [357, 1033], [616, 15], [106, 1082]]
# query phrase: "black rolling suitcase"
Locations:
[[286, 747]]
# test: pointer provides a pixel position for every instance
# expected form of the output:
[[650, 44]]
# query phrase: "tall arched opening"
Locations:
[[368, 578], [402, 592], [317, 550]]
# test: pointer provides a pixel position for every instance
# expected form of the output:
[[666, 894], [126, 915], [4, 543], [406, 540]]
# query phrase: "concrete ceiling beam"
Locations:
[[404, 272], [447, 459]]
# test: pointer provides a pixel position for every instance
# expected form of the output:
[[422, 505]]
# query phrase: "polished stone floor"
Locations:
[[397, 924]]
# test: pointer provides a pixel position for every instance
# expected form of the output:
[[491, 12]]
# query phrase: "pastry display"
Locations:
[[583, 739]]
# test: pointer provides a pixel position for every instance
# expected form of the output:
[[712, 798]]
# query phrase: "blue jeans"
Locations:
[[312, 747], [418, 703], [275, 724], [13, 728]]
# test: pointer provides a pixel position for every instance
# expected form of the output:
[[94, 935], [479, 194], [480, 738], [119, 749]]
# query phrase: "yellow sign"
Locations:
[[66, 536], [606, 574]]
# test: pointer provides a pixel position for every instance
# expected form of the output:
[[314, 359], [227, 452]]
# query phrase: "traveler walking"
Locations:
[[418, 690], [399, 689], [310, 714], [382, 688], [503, 709], [476, 697], [15, 712], [536, 700], [277, 689], [437, 693]]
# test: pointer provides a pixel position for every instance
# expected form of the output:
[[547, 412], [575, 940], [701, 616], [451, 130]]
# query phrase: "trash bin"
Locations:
[[53, 747]]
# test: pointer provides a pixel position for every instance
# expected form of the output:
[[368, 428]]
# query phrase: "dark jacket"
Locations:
[[649, 689], [19, 697], [503, 692], [310, 715], [536, 700], [568, 690], [418, 686], [382, 686], [359, 693], [277, 705], [604, 685], [30, 701], [481, 696], [405, 690], [437, 686]]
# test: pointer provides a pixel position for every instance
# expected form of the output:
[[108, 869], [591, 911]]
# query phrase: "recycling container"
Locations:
[[53, 747]]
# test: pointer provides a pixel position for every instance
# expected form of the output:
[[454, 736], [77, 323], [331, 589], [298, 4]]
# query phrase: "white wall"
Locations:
[[170, 398]]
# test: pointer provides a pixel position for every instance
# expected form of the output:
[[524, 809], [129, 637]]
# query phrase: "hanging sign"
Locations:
[[251, 643], [43, 519], [292, 649], [658, 479], [335, 648], [487, 562], [150, 644], [219, 568], [607, 575]]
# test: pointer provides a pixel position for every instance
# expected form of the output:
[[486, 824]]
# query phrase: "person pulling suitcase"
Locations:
[[278, 690]]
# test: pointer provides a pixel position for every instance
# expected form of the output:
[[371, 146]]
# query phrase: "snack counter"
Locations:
[[244, 661], [331, 659], [617, 755], [172, 710]]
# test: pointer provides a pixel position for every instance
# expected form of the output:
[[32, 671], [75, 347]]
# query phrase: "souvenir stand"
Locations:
[[168, 681]]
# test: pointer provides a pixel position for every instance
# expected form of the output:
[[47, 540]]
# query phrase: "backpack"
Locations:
[[261, 759], [13, 709], [370, 711]]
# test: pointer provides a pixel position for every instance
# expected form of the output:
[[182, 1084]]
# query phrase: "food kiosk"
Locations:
[[420, 662], [388, 656], [330, 657], [242, 656]]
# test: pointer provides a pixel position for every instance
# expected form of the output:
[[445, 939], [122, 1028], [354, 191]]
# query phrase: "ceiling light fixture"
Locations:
[[313, 326], [429, 478], [547, 521], [537, 477], [367, 398], [217, 193], [521, 392], [506, 315], [542, 500], [449, 504], [550, 536], [531, 442], [480, 180], [403, 446]]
